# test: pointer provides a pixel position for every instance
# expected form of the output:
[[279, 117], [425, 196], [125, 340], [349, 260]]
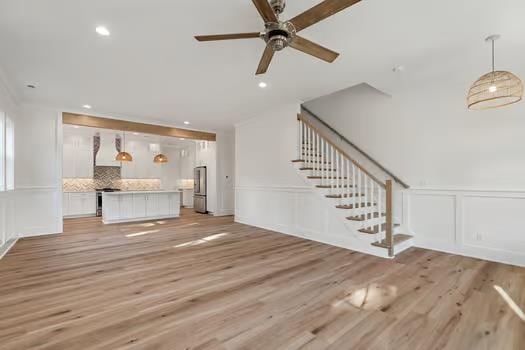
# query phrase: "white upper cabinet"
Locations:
[[77, 157], [142, 166]]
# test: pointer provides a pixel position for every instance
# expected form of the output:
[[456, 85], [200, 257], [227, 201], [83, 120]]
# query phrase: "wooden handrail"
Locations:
[[354, 146], [323, 134]]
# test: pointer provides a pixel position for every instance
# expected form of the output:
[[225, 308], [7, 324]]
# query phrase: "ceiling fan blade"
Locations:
[[265, 60], [319, 12], [265, 10], [228, 36], [311, 48]]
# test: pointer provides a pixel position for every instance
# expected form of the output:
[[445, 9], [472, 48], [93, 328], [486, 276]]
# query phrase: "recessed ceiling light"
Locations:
[[86, 106], [135, 133], [102, 31], [187, 123], [262, 85], [182, 139], [76, 126]]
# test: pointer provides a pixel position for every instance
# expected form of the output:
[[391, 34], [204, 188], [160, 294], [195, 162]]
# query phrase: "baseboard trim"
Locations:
[[109, 222], [5, 249]]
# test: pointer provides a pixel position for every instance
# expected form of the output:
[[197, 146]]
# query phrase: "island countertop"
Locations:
[[128, 206], [141, 192]]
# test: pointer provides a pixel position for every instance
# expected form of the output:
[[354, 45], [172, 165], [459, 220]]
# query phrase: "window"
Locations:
[[9, 154], [2, 151]]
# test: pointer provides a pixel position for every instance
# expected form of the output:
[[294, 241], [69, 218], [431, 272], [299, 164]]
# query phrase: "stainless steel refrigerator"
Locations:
[[199, 190]]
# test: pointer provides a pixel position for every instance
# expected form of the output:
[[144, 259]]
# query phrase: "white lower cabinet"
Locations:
[[139, 206], [126, 206], [79, 204], [136, 206]]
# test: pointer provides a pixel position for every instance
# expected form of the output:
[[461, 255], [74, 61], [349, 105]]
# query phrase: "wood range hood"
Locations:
[[128, 126]]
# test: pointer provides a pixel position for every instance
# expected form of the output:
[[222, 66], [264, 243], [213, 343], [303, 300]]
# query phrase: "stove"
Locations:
[[99, 197]]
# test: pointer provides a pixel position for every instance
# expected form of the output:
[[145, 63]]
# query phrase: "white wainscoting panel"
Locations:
[[487, 225], [8, 234], [298, 211], [38, 211]]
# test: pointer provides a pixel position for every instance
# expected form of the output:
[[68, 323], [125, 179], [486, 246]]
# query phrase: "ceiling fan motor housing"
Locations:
[[279, 35], [278, 6]]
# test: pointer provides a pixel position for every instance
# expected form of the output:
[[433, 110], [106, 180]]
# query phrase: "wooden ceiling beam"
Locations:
[[124, 125]]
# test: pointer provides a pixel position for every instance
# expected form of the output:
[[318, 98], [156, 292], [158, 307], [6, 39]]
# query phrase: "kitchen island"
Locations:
[[129, 206]]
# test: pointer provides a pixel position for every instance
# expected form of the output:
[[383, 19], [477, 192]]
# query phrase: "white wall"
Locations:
[[465, 168], [38, 168], [269, 192], [8, 231], [427, 136], [225, 172]]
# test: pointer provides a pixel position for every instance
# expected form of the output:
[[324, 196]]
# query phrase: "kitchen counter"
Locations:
[[142, 192], [129, 206]]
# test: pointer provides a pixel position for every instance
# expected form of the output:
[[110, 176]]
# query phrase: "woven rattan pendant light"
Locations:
[[495, 89]]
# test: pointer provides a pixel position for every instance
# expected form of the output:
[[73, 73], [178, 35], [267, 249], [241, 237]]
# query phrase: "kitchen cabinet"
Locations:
[[152, 205], [77, 157], [140, 206], [142, 166], [79, 204], [126, 206]]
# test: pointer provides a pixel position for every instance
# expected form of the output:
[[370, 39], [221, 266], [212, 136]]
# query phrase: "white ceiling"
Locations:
[[152, 68]]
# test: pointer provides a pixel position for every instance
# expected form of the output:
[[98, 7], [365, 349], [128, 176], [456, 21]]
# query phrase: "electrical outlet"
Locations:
[[479, 236]]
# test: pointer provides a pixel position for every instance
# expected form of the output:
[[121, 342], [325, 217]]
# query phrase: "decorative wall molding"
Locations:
[[297, 211], [482, 224], [38, 210]]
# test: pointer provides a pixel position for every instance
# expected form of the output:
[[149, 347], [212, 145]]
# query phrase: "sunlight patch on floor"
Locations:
[[512, 304], [371, 297], [202, 240], [141, 233]]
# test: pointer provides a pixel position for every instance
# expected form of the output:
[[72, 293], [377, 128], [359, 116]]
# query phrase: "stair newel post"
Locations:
[[389, 218]]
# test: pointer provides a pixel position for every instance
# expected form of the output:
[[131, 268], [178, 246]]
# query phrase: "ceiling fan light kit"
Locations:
[[278, 34], [494, 89]]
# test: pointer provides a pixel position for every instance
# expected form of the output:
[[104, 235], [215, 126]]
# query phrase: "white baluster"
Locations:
[[332, 163], [318, 153], [378, 204], [354, 188], [348, 181], [366, 193]]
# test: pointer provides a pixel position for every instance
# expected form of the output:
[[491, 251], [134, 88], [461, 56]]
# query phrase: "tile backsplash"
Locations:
[[106, 176]]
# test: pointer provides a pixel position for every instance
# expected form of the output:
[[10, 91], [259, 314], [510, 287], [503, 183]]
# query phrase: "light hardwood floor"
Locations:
[[200, 282]]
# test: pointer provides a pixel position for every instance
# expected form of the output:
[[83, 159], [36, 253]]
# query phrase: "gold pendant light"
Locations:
[[495, 89], [160, 158], [123, 156]]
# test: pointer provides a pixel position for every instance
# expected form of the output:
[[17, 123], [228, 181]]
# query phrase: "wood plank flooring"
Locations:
[[200, 282]]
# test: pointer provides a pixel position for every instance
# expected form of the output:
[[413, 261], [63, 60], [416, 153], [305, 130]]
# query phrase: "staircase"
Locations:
[[357, 197]]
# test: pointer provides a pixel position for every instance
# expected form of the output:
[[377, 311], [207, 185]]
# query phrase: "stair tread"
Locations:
[[345, 195], [358, 205], [340, 186], [375, 229], [398, 238], [310, 168], [310, 162], [364, 217], [321, 177]]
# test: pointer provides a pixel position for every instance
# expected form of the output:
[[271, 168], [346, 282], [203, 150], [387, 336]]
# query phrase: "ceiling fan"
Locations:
[[280, 34]]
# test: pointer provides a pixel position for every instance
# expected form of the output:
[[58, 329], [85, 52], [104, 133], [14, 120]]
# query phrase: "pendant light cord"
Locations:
[[493, 61]]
